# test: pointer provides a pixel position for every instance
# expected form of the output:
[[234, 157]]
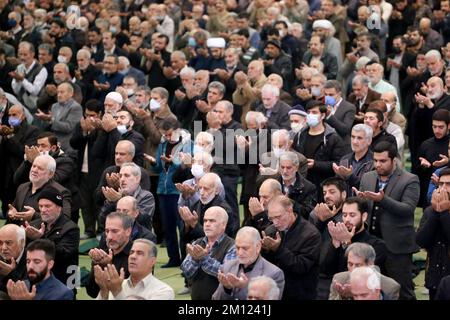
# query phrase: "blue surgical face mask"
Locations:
[[122, 128], [192, 42], [113, 29], [330, 101], [312, 120], [14, 122]]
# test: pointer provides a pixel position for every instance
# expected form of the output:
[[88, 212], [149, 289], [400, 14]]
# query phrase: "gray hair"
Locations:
[[124, 60], [333, 84], [188, 71], [220, 212], [321, 76], [362, 250], [84, 52], [217, 85], [179, 54], [207, 136], [146, 89], [433, 53], [257, 116], [206, 157], [368, 131], [133, 200], [162, 92], [272, 89], [364, 80], [280, 133], [367, 274], [127, 221], [290, 156], [130, 145], [227, 104], [152, 250], [250, 231], [47, 47], [135, 170], [51, 163], [361, 62], [274, 291], [216, 178]]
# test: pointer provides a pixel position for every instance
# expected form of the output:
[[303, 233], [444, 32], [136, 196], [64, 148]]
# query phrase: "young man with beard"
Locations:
[[433, 152], [352, 229], [44, 285], [334, 194], [393, 195]]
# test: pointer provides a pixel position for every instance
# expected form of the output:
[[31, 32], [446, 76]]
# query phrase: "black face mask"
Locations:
[[396, 50]]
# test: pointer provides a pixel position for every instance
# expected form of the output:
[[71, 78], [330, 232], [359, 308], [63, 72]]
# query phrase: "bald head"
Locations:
[[275, 80], [128, 205], [269, 189]]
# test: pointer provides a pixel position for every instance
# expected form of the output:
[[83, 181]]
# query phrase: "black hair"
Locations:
[[45, 245]]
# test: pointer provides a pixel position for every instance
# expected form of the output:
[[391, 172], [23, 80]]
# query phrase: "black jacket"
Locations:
[[298, 257], [119, 260], [65, 234], [279, 116], [330, 150], [79, 142], [221, 163], [105, 146], [335, 261], [329, 61], [366, 165], [303, 193], [190, 235], [433, 235], [18, 273]]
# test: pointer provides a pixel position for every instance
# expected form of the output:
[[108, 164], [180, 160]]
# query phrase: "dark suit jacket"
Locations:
[[279, 118], [65, 234], [371, 96], [342, 120], [262, 267], [20, 201], [329, 61], [408, 60], [396, 210]]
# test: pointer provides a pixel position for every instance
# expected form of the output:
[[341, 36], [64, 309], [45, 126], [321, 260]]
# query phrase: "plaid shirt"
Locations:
[[208, 264]]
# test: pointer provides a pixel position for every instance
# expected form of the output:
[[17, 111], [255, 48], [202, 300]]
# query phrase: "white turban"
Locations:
[[216, 43], [324, 24], [115, 96]]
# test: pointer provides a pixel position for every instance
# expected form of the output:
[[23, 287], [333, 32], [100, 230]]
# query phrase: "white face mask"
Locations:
[[316, 91], [122, 128], [296, 127], [175, 136], [62, 59], [154, 105], [277, 152], [389, 107], [43, 153], [130, 92], [198, 148], [197, 171]]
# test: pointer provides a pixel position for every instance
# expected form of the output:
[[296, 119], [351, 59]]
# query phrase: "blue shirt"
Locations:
[[52, 289], [207, 264]]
